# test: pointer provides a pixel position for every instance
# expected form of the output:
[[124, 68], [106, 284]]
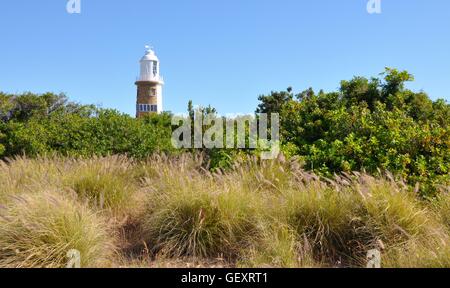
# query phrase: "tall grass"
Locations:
[[25, 175], [442, 207], [105, 183], [191, 214], [172, 209], [38, 231], [278, 246]]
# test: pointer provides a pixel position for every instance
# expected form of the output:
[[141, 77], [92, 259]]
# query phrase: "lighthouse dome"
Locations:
[[149, 55]]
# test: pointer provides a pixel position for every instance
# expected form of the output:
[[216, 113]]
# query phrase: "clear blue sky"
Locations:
[[223, 53]]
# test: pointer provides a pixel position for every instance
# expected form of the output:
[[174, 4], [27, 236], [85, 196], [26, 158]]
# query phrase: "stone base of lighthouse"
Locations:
[[147, 98]]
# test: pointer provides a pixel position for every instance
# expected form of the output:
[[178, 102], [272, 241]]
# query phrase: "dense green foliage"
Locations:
[[369, 124], [38, 124]]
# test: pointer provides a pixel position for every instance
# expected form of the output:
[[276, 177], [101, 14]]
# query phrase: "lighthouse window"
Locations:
[[153, 92], [147, 108], [155, 68]]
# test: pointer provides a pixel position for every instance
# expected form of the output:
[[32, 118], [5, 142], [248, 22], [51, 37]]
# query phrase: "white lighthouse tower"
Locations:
[[149, 85]]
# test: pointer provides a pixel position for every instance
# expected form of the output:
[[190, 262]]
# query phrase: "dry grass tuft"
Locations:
[[38, 230]]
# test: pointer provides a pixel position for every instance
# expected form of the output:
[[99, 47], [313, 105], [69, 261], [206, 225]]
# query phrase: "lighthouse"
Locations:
[[149, 85]]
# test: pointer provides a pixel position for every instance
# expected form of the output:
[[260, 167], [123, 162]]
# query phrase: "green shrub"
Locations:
[[370, 125], [96, 132]]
